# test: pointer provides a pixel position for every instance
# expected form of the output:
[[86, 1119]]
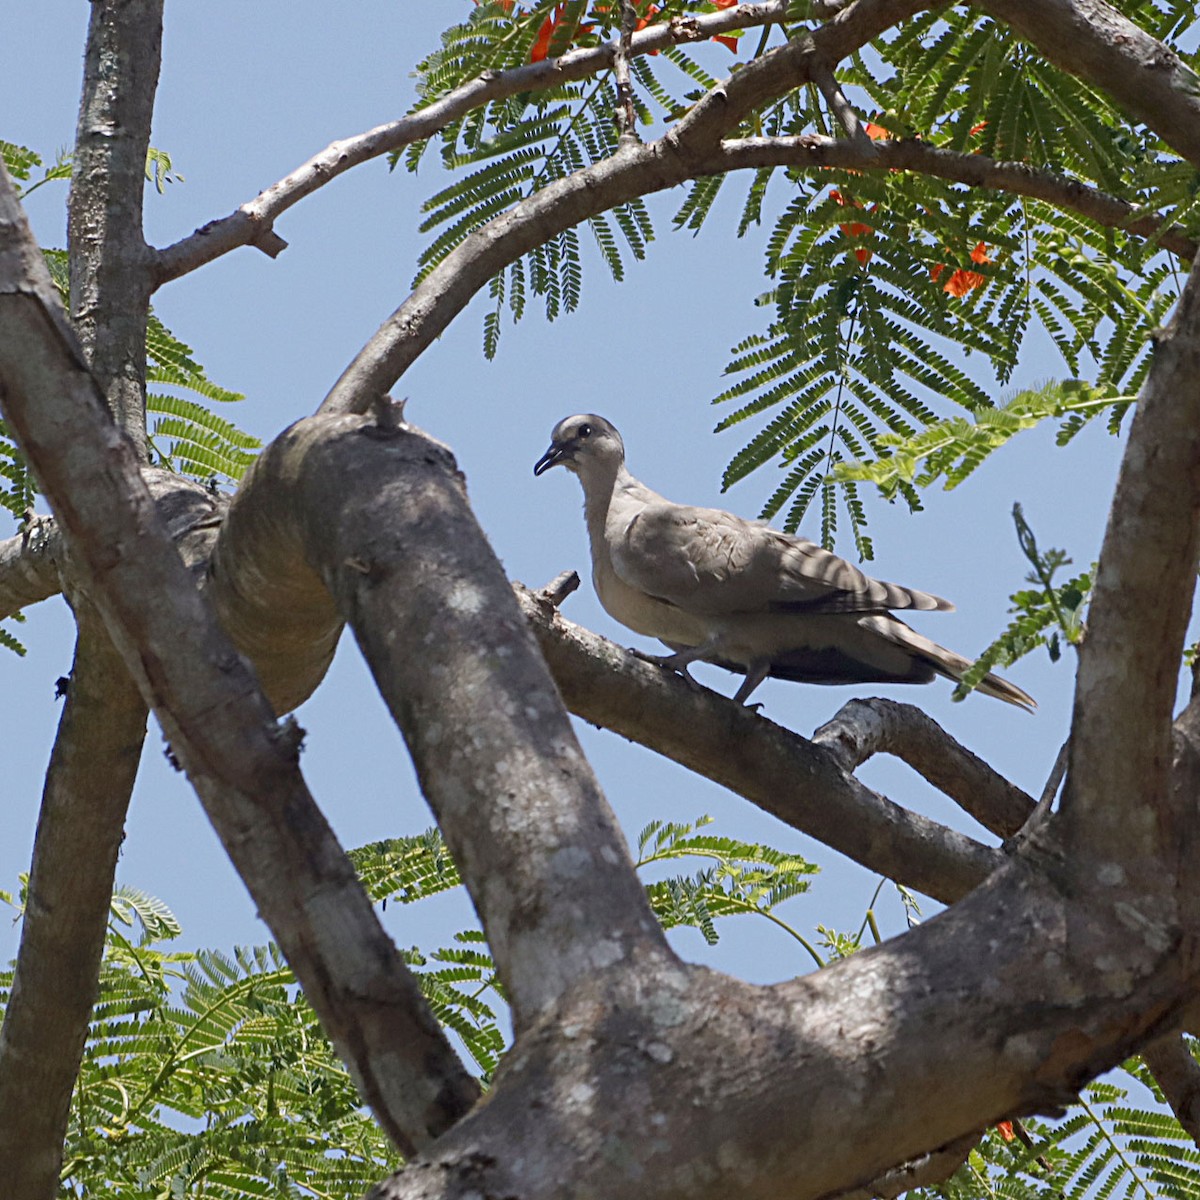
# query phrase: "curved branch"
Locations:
[[381, 511], [640, 170], [974, 170], [631, 171], [750, 755], [251, 224], [866, 727]]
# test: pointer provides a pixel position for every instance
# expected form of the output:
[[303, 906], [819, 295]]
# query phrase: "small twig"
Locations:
[[388, 413], [626, 114], [1042, 809], [559, 588], [845, 112]]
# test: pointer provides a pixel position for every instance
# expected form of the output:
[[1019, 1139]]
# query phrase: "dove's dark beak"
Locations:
[[551, 458]]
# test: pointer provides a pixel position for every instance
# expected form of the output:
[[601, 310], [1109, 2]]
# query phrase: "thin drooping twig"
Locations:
[[220, 727], [862, 728]]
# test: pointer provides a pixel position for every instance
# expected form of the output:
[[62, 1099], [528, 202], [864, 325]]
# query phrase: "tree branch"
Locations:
[[635, 171], [219, 724], [866, 727], [817, 1086], [975, 170], [80, 828], [1117, 798], [750, 755], [29, 565], [109, 258], [1095, 42], [383, 515], [251, 224], [688, 151]]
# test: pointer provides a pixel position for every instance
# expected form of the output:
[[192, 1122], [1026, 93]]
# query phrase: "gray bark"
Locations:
[[219, 724]]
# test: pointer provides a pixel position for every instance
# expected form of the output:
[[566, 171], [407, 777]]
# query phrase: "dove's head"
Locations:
[[586, 444]]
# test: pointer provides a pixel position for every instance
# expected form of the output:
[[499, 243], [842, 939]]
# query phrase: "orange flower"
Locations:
[[977, 129], [877, 133], [935, 272], [980, 254], [1005, 1130], [541, 45], [961, 282], [854, 229], [727, 40]]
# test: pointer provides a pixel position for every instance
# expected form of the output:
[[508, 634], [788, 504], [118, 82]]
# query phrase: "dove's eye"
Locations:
[[585, 431]]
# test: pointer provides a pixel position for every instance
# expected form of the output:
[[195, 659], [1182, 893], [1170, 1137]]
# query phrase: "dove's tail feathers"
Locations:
[[946, 662]]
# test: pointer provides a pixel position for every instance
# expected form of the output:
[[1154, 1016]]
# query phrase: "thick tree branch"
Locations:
[[1117, 797], [1095, 42], [219, 724], [820, 1085], [251, 224], [382, 513], [866, 727], [82, 822], [271, 602], [800, 783], [109, 259]]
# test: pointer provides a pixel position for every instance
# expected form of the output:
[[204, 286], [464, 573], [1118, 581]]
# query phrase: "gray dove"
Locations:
[[737, 593]]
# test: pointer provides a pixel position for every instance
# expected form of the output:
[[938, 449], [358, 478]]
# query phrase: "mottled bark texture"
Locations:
[[384, 515], [220, 726], [109, 258]]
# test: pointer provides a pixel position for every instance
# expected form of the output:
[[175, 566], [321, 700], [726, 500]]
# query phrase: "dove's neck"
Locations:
[[604, 490]]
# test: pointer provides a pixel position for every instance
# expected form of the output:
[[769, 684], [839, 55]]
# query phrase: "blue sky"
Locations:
[[248, 92]]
